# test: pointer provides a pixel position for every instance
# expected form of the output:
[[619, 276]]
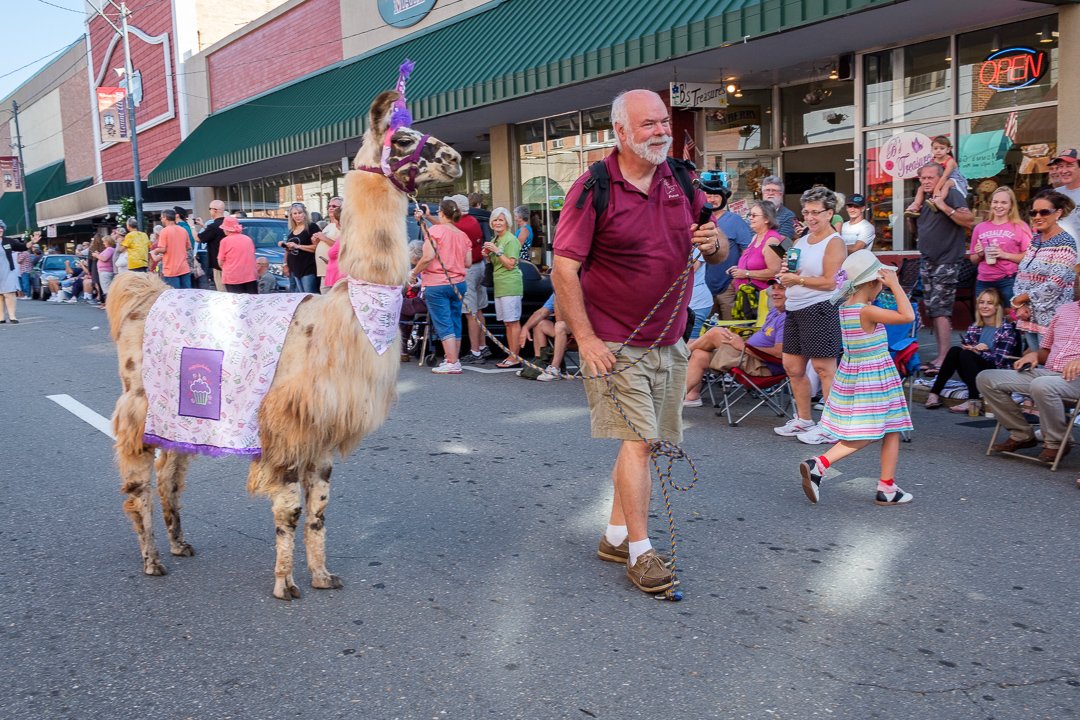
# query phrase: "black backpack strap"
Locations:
[[684, 170], [598, 184]]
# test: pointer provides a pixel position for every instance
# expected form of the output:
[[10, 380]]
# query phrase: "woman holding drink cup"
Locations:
[[998, 244]]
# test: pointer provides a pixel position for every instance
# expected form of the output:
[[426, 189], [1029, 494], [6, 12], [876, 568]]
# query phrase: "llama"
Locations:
[[331, 387]]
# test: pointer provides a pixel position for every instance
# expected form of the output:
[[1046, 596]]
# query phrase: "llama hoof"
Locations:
[[327, 582], [286, 592], [183, 550], [153, 566]]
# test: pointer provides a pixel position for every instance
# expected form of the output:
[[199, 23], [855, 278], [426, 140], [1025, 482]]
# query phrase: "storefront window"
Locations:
[[817, 112], [552, 154], [886, 195], [908, 83], [1013, 149], [1009, 65], [745, 124]]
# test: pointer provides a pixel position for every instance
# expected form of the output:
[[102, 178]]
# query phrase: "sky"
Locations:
[[33, 29]]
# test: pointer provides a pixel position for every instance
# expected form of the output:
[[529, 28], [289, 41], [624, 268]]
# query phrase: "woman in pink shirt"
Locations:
[[333, 274], [105, 265], [998, 244], [442, 293], [236, 256]]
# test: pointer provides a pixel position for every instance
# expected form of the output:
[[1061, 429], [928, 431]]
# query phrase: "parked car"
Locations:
[[50, 266]]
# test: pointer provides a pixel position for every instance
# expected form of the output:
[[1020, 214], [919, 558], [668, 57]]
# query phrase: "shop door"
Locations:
[[745, 171]]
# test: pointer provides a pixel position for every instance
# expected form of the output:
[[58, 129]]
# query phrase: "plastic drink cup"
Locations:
[[974, 408], [991, 253]]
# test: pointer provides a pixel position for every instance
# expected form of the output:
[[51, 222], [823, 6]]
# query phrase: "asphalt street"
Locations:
[[465, 531]]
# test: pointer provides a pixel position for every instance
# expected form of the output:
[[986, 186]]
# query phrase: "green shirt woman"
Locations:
[[502, 252]]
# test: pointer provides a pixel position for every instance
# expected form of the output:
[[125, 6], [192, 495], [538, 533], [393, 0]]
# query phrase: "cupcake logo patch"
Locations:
[[200, 383]]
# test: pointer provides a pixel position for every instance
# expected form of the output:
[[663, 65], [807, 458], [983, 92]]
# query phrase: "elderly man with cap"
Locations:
[[858, 232], [1069, 176], [476, 297]]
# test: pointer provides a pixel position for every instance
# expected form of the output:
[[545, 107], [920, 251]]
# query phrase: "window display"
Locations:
[[908, 83], [818, 112], [1007, 66]]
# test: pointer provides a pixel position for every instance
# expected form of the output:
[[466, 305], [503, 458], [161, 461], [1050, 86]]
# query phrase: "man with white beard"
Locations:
[[609, 272]]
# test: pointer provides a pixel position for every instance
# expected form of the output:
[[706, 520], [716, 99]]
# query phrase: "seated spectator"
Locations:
[[549, 337], [1048, 386], [78, 282], [266, 280], [411, 304], [988, 344], [721, 349]]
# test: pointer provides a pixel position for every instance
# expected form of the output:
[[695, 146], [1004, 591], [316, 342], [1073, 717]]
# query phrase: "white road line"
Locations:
[[84, 413], [487, 371]]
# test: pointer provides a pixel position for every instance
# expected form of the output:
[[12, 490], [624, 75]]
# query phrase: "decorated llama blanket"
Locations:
[[208, 360]]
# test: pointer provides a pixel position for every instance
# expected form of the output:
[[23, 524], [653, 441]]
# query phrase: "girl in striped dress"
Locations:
[[867, 399]]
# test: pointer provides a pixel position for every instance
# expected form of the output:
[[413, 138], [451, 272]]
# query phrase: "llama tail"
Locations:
[[131, 292]]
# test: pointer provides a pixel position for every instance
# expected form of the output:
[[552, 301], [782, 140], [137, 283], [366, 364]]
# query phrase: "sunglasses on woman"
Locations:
[[1043, 212]]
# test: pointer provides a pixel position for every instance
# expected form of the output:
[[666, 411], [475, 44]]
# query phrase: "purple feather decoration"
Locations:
[[404, 71], [400, 115]]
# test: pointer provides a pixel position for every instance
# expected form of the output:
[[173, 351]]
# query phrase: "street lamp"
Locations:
[[122, 31]]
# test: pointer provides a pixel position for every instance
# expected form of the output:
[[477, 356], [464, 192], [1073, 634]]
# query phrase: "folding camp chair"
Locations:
[[1072, 408], [746, 328], [773, 391]]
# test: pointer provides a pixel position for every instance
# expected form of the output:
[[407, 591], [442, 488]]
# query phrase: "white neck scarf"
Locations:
[[378, 308]]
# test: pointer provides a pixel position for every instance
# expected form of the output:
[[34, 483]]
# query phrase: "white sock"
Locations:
[[615, 534], [639, 548], [476, 353]]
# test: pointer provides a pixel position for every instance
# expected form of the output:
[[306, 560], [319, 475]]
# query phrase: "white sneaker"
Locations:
[[550, 373], [446, 368], [71, 301], [793, 427], [816, 435], [692, 403]]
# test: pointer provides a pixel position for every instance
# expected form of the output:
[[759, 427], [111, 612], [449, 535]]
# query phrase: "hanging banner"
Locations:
[[903, 155], [697, 95], [10, 174], [112, 114]]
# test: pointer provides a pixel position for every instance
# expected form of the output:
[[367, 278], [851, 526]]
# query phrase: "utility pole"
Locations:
[[129, 73], [22, 168]]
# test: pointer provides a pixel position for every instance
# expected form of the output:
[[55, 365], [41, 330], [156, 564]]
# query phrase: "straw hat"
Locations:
[[861, 267]]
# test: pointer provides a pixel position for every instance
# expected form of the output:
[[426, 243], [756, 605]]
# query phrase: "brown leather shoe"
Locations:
[[621, 553], [1012, 445], [650, 574], [613, 553], [1049, 454]]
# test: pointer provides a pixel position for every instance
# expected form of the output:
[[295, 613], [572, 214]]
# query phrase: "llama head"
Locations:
[[410, 157]]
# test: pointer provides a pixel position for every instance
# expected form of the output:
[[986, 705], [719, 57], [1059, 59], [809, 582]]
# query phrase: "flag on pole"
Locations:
[[1011, 124], [688, 146], [112, 114], [10, 174]]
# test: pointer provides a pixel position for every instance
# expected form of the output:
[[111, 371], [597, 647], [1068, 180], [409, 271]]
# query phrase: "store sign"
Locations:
[[736, 116], [903, 155], [1013, 68], [404, 13], [697, 95], [982, 155]]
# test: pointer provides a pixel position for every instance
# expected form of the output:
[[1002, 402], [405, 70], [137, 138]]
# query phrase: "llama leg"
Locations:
[[286, 503], [316, 494], [171, 470], [135, 482]]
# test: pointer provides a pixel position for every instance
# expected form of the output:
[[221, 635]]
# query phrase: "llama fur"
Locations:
[[331, 387]]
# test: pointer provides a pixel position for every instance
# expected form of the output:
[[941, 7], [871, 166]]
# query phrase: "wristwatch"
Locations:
[[498, 253]]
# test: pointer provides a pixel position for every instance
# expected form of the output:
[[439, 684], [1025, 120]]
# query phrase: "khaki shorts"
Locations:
[[650, 394], [726, 357]]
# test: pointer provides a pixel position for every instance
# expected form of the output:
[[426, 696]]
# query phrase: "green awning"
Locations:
[[500, 51], [44, 184]]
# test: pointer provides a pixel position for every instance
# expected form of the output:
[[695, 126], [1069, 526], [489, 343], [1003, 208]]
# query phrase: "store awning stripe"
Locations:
[[43, 184], [482, 58]]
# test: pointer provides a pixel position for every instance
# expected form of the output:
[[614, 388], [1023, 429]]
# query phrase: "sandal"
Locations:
[[961, 409], [933, 405], [507, 365], [931, 370]]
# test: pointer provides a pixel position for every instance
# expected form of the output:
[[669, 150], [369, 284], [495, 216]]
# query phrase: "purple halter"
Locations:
[[390, 172]]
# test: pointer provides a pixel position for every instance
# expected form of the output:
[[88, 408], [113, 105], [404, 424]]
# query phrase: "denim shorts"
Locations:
[[444, 309]]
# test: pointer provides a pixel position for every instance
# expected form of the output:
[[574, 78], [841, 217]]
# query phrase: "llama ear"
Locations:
[[381, 108]]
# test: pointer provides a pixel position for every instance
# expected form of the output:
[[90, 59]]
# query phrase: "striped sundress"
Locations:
[[867, 398]]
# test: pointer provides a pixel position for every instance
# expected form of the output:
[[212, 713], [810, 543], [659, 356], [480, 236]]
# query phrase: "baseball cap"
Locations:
[[857, 200], [1069, 156], [462, 203]]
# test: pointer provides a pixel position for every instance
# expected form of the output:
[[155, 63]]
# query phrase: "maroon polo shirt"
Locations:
[[471, 227], [633, 255]]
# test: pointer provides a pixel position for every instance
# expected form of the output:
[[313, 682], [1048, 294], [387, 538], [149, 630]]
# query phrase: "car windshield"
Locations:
[[55, 263], [266, 233]]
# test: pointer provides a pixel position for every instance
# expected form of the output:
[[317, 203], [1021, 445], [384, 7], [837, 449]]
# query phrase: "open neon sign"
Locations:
[[1013, 68]]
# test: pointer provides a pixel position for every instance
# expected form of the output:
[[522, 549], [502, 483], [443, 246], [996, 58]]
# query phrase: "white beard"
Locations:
[[652, 150]]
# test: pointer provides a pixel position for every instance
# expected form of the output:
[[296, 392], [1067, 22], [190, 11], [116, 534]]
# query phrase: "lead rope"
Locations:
[[657, 448]]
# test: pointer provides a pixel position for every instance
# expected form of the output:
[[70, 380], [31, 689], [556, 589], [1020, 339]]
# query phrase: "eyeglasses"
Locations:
[[756, 215], [808, 213], [1043, 212]]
